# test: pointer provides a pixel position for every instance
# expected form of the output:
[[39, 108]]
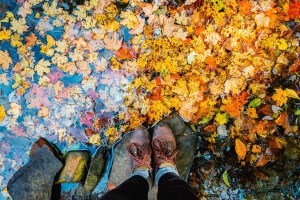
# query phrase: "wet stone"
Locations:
[[43, 142], [97, 168], [76, 165], [35, 179], [74, 191], [186, 144]]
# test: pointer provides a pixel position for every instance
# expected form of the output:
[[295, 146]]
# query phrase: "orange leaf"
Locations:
[[212, 63], [240, 149], [282, 118], [156, 94], [199, 30], [256, 148], [159, 80], [110, 186], [31, 40], [245, 7], [294, 9], [125, 53]]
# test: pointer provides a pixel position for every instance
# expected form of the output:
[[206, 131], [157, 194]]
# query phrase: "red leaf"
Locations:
[[294, 9], [125, 53]]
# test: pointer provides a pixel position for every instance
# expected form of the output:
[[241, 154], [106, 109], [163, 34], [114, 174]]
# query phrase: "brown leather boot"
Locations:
[[139, 149], [164, 146]]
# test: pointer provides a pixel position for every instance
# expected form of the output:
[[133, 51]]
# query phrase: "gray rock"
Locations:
[[34, 180], [97, 168], [186, 144]]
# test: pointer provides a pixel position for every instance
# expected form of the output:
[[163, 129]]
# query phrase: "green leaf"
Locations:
[[297, 112], [255, 103], [204, 120], [225, 178]]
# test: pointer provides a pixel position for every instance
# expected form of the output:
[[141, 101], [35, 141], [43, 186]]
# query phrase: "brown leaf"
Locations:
[[265, 158], [240, 149], [262, 161], [260, 175], [282, 118], [210, 128]]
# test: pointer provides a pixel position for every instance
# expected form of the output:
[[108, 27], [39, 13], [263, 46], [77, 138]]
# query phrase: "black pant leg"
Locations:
[[134, 188], [172, 187]]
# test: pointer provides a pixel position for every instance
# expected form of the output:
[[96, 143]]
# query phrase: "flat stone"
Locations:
[[76, 165], [35, 179], [121, 161], [186, 144], [97, 168], [43, 142]]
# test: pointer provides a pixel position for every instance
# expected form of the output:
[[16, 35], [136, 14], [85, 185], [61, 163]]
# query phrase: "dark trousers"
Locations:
[[170, 187]]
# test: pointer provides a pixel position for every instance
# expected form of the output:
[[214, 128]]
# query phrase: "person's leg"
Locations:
[[134, 188], [137, 186], [170, 185]]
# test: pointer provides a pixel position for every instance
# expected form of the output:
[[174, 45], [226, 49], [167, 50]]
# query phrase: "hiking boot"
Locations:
[[164, 146], [139, 149]]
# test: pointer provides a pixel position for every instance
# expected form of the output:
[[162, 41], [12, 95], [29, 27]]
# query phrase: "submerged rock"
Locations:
[[76, 166], [35, 179], [97, 168]]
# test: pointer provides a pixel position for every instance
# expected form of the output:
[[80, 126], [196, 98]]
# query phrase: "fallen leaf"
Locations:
[[225, 178], [5, 60], [31, 40], [240, 149], [255, 103], [221, 118], [112, 41], [292, 94], [125, 53], [2, 113], [256, 149]]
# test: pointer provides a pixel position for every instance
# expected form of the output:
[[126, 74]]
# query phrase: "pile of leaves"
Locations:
[[94, 71]]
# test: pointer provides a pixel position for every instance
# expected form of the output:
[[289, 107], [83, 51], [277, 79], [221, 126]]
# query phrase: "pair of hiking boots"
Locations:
[[163, 147]]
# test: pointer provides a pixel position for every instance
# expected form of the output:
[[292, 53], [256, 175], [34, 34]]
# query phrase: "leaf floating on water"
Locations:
[[255, 103], [240, 149], [2, 113], [225, 178]]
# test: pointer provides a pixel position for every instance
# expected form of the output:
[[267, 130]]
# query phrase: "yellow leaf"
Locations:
[[112, 26], [280, 96], [50, 40], [282, 45], [5, 34], [95, 139], [221, 118], [240, 149], [2, 113], [9, 15], [292, 94]]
